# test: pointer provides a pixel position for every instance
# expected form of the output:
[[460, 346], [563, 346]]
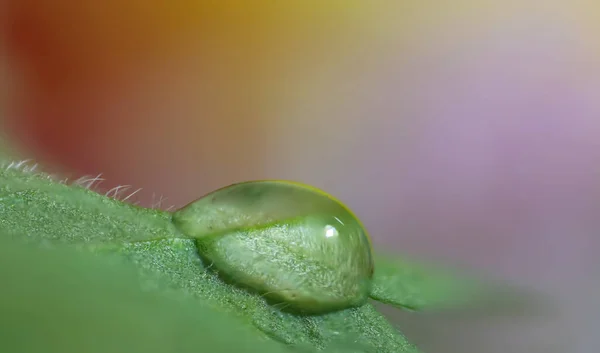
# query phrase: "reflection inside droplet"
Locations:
[[330, 231]]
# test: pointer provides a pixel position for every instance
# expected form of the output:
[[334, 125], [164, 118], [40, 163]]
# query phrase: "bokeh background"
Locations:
[[465, 132]]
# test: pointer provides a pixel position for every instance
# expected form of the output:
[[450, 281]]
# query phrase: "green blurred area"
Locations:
[[60, 301]]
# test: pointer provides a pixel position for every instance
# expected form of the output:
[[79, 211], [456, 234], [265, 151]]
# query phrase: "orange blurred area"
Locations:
[[66, 40], [104, 86]]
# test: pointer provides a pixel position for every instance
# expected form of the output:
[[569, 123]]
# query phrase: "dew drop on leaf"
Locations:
[[295, 245]]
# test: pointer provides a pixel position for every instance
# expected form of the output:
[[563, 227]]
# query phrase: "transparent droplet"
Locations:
[[290, 242]]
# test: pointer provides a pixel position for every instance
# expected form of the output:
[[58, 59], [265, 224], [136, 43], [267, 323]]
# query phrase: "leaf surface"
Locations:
[[36, 208]]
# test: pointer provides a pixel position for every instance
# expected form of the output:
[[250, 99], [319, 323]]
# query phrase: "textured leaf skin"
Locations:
[[35, 208]]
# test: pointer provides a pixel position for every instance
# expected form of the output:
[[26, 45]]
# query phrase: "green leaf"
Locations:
[[61, 301], [418, 287], [38, 209], [414, 286]]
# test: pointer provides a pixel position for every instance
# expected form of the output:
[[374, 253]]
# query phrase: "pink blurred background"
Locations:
[[466, 132]]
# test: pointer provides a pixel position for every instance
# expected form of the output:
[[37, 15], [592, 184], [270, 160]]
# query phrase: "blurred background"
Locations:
[[465, 132]]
